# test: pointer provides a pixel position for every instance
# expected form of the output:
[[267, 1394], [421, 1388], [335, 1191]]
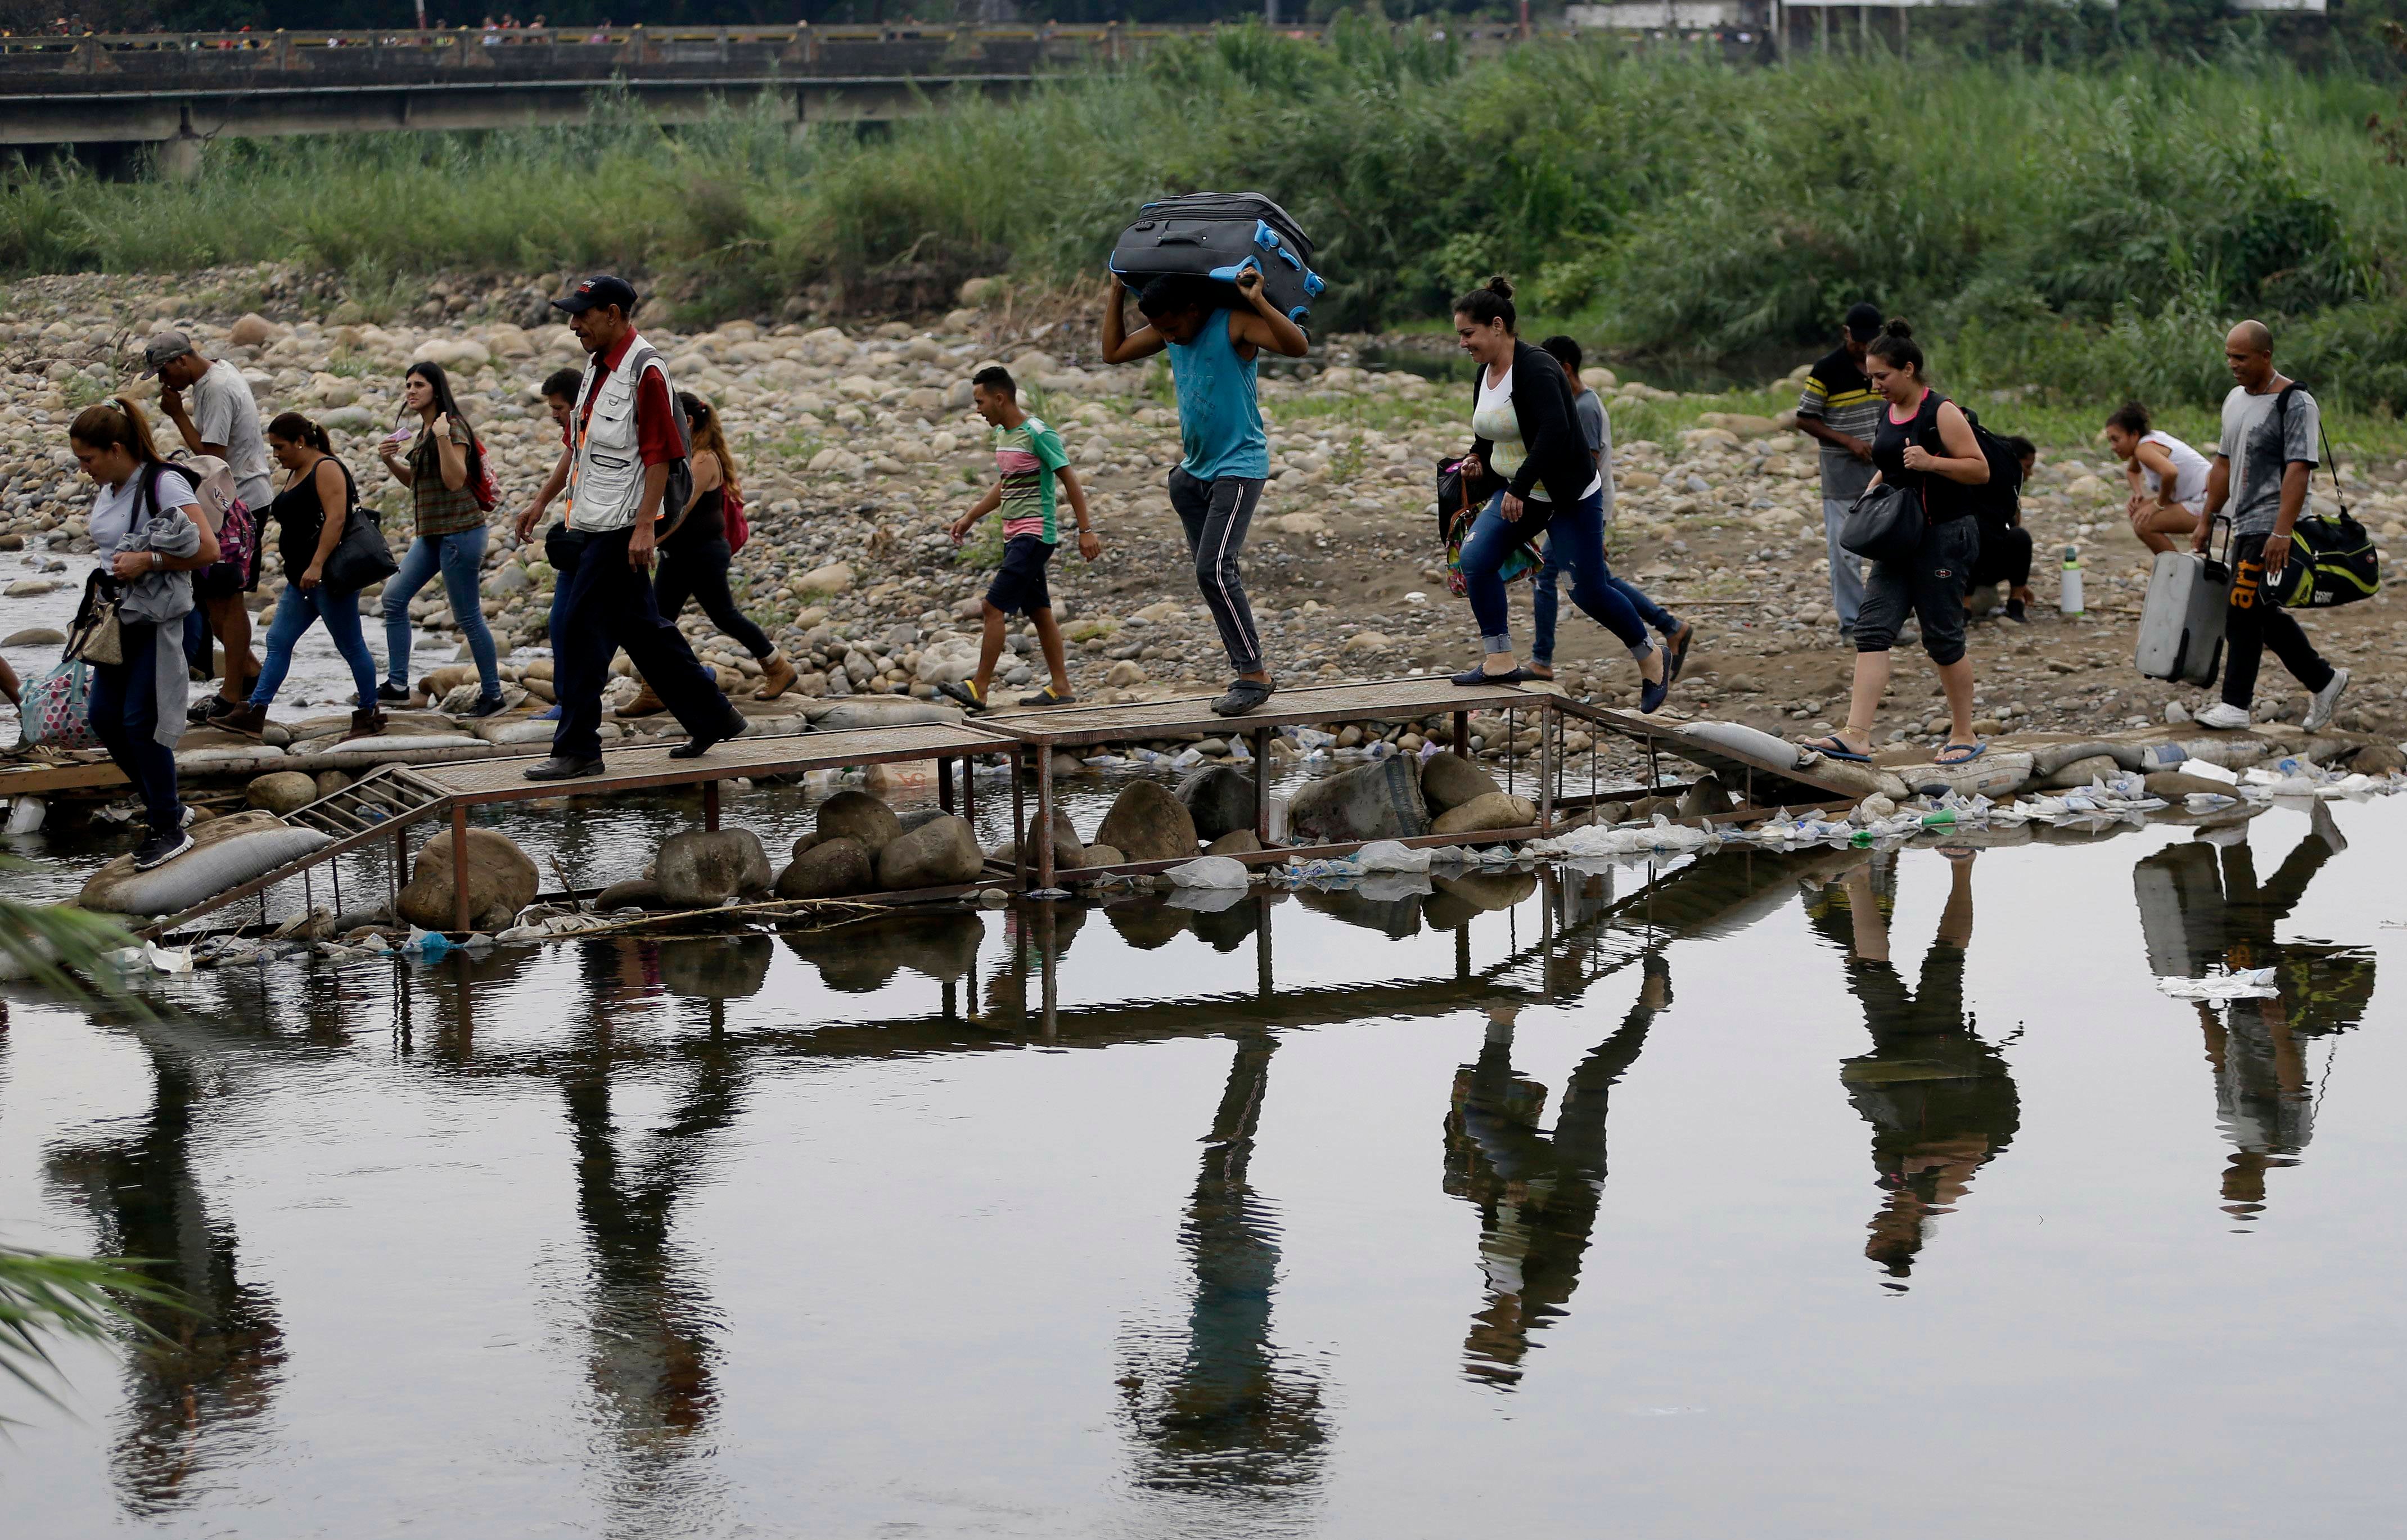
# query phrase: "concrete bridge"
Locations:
[[175, 92]]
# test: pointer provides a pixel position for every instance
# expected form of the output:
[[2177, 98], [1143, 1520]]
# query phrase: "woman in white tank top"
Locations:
[[2167, 478]]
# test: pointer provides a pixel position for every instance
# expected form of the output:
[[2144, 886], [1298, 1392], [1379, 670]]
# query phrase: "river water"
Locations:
[[1799, 1195]]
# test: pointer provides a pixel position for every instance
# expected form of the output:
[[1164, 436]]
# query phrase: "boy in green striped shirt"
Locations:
[[1028, 457]]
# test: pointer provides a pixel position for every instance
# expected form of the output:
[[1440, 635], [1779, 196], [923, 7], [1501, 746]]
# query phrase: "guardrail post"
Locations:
[[460, 915]]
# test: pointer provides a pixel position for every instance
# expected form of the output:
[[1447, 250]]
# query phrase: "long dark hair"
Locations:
[[707, 434], [293, 428], [1896, 345], [1489, 302], [116, 424], [449, 404]]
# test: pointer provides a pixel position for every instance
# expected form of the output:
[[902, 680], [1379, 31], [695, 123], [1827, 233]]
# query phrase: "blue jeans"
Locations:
[[295, 608], [458, 557], [1542, 605], [1846, 567], [1577, 538], [123, 704]]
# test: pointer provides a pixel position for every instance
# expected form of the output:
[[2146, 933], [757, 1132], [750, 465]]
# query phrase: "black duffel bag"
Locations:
[[1885, 523], [1215, 236], [361, 556]]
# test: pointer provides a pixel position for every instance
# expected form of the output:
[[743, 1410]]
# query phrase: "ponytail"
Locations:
[[293, 428], [1488, 304], [116, 424]]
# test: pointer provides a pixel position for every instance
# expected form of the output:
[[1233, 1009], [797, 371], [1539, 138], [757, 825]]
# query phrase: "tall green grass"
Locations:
[[2087, 230]]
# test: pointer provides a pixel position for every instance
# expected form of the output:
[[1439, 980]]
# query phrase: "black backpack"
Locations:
[[1998, 500]]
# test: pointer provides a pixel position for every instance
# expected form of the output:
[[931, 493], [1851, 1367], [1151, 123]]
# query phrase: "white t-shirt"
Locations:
[[225, 412], [1492, 419], [113, 508], [2189, 471]]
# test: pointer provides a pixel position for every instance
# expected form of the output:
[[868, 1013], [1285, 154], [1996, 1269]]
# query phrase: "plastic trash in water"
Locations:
[[1944, 818], [1391, 855], [1187, 759], [25, 814], [1209, 871], [427, 945], [2247, 984]]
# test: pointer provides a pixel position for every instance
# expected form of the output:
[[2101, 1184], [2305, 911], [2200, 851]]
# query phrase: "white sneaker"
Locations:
[[2223, 716], [2321, 705]]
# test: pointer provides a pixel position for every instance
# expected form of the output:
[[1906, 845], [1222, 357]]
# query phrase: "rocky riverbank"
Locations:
[[858, 445]]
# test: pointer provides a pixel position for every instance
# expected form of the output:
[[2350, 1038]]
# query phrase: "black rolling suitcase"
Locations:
[[1217, 236]]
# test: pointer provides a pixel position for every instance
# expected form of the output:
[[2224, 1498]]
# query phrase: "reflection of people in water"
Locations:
[[651, 1350], [2202, 908], [1940, 1100], [1537, 1193], [1218, 1409], [189, 1402]]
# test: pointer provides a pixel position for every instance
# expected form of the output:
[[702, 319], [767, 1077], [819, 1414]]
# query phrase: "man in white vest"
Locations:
[[626, 455]]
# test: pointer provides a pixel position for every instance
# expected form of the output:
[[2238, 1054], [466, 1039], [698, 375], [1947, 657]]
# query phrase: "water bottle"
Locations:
[[2068, 597]]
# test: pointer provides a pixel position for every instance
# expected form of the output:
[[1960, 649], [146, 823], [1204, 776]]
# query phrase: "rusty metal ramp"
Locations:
[[383, 802]]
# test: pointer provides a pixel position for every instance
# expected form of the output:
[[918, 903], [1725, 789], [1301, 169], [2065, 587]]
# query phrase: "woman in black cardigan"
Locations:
[[1526, 434]]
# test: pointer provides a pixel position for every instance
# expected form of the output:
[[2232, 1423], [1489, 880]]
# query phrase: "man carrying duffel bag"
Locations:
[[1214, 488], [2271, 429]]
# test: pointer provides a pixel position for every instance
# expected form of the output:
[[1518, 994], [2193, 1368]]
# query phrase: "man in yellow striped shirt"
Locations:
[[1840, 407]]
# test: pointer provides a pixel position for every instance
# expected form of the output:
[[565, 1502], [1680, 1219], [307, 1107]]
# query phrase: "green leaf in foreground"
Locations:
[[44, 1296]]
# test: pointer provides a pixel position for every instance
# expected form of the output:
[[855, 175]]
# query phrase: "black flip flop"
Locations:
[[963, 696]]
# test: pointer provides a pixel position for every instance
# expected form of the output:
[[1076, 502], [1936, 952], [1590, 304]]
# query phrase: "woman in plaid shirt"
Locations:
[[441, 473]]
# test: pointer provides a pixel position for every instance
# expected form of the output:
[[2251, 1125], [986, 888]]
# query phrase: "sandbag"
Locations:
[[875, 713], [355, 753], [1740, 739], [2048, 758], [226, 852], [1994, 775], [256, 757], [1381, 800]]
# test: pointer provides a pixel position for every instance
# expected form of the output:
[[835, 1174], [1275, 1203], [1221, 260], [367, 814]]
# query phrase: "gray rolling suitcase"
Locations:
[[2181, 627]]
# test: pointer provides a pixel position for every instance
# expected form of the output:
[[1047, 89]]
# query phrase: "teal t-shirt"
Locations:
[[1220, 419]]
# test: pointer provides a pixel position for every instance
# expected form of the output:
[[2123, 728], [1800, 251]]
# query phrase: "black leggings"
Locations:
[[2254, 623], [699, 570], [2005, 556]]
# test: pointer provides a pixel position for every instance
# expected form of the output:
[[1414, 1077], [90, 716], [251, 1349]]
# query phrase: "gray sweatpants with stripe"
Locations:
[[1217, 514]]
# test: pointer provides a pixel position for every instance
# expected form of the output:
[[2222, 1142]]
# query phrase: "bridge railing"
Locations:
[[98, 54]]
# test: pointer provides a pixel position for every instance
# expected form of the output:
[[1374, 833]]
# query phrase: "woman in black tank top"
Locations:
[[309, 512], [695, 559], [1924, 443]]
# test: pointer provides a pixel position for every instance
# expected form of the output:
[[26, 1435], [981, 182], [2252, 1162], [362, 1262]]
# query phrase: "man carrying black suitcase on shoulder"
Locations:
[[625, 439], [2272, 427], [1214, 488]]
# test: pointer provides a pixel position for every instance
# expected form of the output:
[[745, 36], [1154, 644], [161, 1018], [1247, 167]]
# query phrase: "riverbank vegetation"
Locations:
[[2087, 230]]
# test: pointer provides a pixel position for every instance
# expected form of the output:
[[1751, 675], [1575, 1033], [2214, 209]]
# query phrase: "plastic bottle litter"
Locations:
[[2067, 599], [427, 945]]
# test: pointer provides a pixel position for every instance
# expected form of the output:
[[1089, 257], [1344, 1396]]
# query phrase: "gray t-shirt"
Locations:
[[2260, 447], [1598, 429], [225, 413]]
